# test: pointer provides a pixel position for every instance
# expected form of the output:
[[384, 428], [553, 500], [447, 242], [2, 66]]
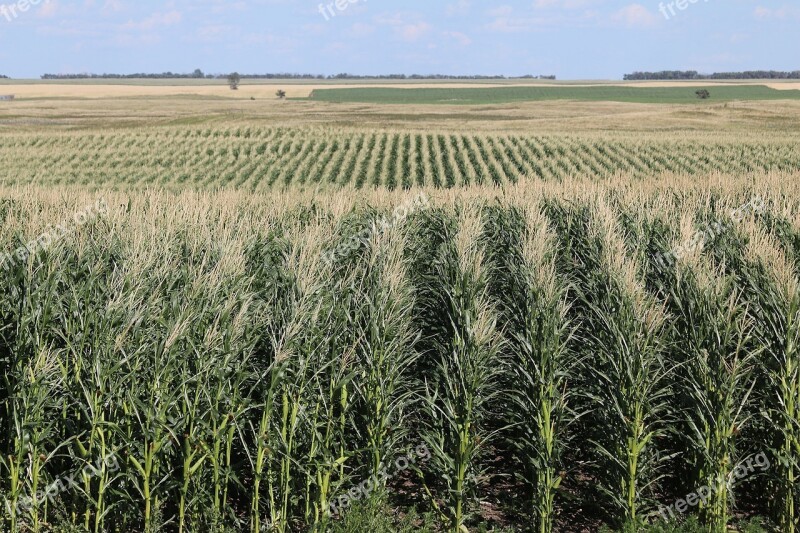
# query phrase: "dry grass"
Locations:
[[45, 107], [301, 89]]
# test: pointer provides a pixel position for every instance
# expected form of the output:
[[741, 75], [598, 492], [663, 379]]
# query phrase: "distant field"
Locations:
[[394, 91], [257, 158], [500, 95]]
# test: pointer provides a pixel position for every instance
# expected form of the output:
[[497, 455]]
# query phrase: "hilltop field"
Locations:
[[381, 307]]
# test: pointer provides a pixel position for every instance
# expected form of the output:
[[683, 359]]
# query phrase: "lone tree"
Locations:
[[233, 80], [280, 94], [703, 94]]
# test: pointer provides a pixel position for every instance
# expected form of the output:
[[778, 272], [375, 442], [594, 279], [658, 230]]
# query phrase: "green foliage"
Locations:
[[233, 80], [374, 515], [691, 525], [478, 96], [263, 158], [535, 345]]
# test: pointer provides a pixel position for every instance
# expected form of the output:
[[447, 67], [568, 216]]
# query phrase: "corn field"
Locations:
[[259, 158], [188, 362]]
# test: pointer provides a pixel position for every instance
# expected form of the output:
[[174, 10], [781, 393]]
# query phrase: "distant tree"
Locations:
[[198, 74], [694, 75], [703, 94], [280, 94], [233, 80]]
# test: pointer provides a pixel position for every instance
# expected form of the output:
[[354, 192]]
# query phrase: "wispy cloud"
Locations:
[[48, 9], [154, 21], [634, 16], [459, 37], [564, 4], [458, 8], [779, 13], [407, 26], [414, 32]]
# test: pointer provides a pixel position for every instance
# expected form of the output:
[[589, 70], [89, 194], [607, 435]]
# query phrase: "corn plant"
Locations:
[[386, 350], [623, 387], [148, 436], [715, 379], [630, 373], [192, 454], [33, 384], [540, 363], [730, 373], [93, 373], [293, 449], [98, 392], [769, 280], [274, 312], [780, 336], [330, 406], [464, 384], [719, 378]]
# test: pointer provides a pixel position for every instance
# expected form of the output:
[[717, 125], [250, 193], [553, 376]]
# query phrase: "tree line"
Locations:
[[694, 75], [198, 74]]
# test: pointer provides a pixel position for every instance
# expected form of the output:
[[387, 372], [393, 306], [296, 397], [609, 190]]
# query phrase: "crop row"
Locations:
[[255, 159], [238, 379]]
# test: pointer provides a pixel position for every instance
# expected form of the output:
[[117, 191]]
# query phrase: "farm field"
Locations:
[[208, 143], [247, 359], [224, 314], [298, 88], [61, 110], [675, 94], [261, 158]]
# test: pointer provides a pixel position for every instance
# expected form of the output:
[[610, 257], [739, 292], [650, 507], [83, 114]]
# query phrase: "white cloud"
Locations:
[[112, 6], [460, 7], [459, 37], [545, 14], [213, 33], [500, 11], [156, 20], [780, 13], [128, 40], [563, 4], [414, 32], [361, 30], [407, 26], [48, 10], [634, 16]]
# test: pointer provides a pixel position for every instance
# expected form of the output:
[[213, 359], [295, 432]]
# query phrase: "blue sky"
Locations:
[[573, 39]]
